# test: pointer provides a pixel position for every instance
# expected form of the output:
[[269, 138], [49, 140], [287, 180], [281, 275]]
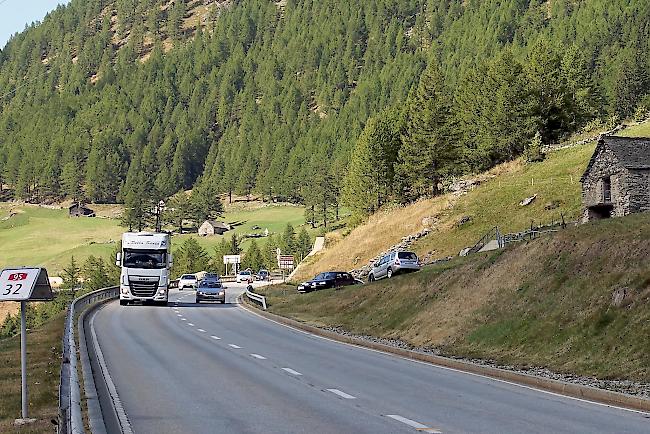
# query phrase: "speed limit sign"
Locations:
[[21, 284]]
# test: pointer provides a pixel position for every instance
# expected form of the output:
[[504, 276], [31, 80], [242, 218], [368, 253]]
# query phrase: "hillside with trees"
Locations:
[[319, 102]]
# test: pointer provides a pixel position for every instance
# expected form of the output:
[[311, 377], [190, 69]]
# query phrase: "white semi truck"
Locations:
[[146, 260]]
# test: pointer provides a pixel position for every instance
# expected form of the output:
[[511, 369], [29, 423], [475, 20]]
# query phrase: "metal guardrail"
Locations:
[[256, 297], [70, 418]]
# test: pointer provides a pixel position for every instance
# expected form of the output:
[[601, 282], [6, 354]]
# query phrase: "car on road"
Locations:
[[211, 277], [210, 291], [263, 275], [328, 279], [187, 281], [245, 276], [394, 263]]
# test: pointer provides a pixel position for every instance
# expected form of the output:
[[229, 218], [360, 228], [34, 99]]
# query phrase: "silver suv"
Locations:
[[394, 263]]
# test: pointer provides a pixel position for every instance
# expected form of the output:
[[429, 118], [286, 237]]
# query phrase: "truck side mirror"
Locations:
[[118, 259]]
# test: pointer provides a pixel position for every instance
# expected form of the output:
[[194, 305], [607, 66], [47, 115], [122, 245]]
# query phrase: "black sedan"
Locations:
[[328, 279]]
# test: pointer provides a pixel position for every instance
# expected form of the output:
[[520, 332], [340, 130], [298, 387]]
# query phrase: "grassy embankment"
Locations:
[[556, 182], [44, 364], [543, 303], [547, 302], [495, 202]]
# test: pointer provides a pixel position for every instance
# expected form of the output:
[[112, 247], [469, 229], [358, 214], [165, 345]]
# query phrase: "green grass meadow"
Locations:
[[48, 238]]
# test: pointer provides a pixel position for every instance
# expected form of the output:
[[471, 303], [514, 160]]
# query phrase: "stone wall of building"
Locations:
[[638, 187], [606, 165]]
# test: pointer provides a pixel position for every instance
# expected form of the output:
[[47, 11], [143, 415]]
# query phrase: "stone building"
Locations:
[[79, 210], [211, 227], [617, 179]]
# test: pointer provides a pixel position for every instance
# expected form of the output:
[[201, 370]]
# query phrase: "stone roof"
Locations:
[[632, 152], [216, 224]]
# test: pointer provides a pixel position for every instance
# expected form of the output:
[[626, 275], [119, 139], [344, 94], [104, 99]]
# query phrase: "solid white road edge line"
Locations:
[[291, 371], [234, 346], [243, 306], [413, 424], [112, 390], [341, 394], [257, 356]]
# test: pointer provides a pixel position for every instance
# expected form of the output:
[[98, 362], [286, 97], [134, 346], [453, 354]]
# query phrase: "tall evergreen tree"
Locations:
[[429, 151]]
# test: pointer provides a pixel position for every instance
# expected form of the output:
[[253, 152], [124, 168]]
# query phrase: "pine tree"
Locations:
[[72, 275], [95, 273], [429, 150], [179, 209], [205, 204], [303, 244], [370, 176], [190, 258], [253, 258], [235, 248]]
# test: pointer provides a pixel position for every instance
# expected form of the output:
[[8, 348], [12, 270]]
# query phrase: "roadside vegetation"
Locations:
[[459, 219], [43, 373], [576, 302]]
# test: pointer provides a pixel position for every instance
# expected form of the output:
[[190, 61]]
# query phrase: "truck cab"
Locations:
[[146, 261]]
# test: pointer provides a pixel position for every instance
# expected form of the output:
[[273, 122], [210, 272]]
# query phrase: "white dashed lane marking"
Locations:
[[190, 324], [216, 338], [291, 371], [341, 394], [234, 346], [257, 356], [413, 424], [183, 319], [201, 330]]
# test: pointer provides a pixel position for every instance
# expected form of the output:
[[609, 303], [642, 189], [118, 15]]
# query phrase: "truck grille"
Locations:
[[143, 289]]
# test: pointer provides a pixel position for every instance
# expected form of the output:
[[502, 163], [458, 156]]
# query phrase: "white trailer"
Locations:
[[146, 260]]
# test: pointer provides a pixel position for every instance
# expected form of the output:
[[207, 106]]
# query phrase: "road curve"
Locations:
[[221, 369]]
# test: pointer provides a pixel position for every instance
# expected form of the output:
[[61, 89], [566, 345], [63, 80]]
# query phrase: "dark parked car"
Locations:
[[263, 275], [328, 279]]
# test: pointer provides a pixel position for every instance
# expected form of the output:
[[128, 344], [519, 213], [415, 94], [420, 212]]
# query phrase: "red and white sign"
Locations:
[[285, 262], [17, 284]]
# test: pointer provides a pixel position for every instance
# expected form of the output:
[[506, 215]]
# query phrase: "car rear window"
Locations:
[[245, 273], [188, 276], [409, 256]]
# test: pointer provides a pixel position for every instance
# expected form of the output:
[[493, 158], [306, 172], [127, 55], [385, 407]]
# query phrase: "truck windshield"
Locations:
[[148, 259]]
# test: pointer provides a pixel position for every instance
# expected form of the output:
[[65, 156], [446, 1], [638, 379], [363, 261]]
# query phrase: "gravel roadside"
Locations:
[[633, 388]]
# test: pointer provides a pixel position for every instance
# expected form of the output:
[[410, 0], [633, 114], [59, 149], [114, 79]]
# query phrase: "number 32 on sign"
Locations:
[[17, 284]]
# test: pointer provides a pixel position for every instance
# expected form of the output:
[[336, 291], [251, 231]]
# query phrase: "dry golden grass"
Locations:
[[44, 351], [546, 302], [493, 201], [384, 229], [8, 307]]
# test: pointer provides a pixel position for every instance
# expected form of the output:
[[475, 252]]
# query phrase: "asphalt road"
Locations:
[[220, 369]]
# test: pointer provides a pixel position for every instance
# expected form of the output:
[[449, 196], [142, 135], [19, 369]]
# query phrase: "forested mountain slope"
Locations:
[[106, 98]]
